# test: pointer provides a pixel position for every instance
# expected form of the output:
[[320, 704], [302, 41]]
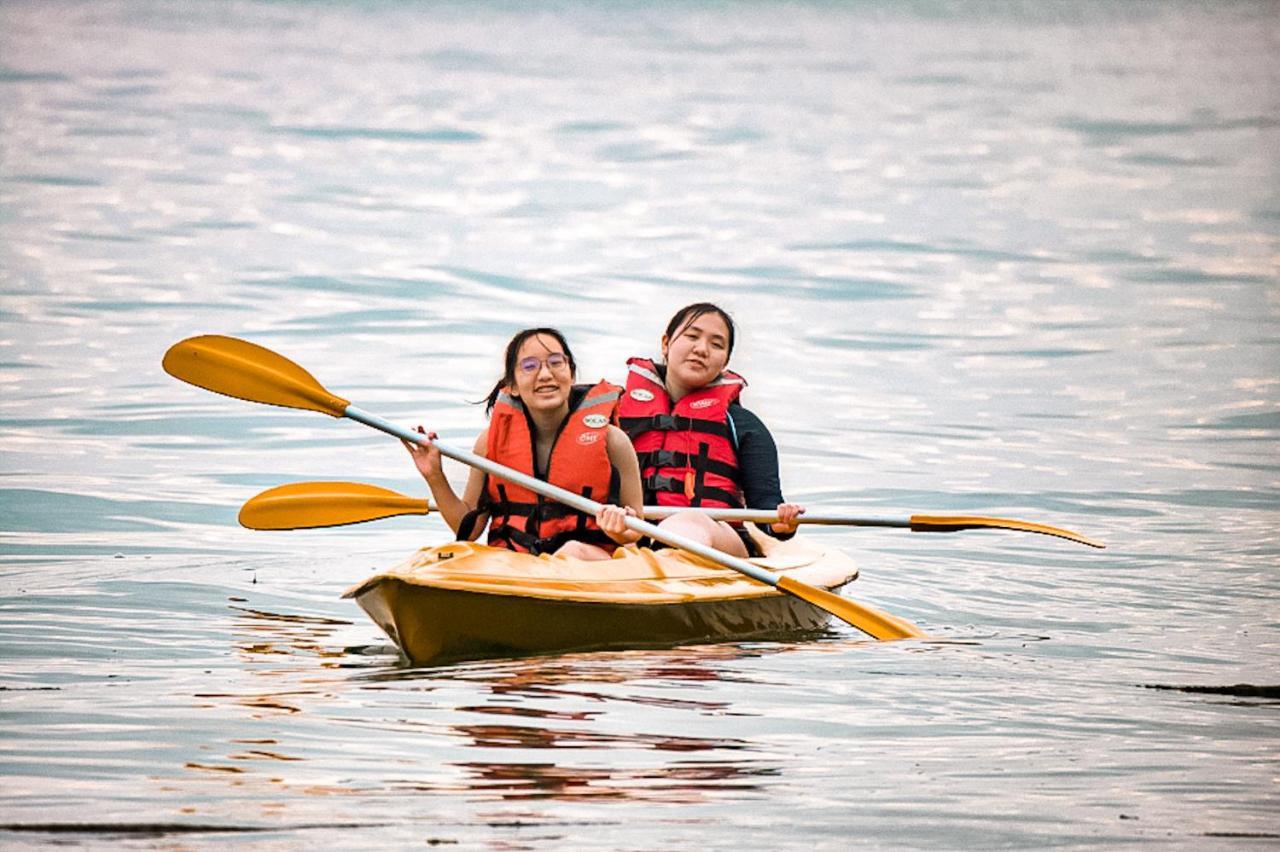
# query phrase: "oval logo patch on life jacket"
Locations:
[[642, 395], [588, 437], [703, 403], [595, 421]]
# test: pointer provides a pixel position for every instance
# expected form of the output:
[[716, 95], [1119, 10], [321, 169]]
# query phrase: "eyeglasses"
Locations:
[[556, 362]]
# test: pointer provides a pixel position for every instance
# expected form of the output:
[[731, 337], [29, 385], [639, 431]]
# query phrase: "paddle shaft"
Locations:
[[769, 516], [569, 498], [915, 523]]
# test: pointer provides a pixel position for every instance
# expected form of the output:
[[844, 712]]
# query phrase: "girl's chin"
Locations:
[[545, 402], [694, 378]]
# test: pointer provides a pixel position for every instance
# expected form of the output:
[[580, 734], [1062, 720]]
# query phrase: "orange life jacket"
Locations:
[[526, 522], [688, 453]]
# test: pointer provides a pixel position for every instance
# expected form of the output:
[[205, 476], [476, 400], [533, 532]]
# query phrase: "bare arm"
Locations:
[[452, 507], [622, 455]]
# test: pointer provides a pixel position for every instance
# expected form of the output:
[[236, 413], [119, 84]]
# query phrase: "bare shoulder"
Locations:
[[618, 443], [482, 442]]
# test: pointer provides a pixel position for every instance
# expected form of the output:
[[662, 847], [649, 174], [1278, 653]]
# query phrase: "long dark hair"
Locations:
[[690, 313], [509, 362]]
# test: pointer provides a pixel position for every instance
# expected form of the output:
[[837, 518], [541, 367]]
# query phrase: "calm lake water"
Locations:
[[1017, 259]]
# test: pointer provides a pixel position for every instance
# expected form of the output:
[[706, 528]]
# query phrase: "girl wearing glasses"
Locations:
[[543, 425], [696, 445]]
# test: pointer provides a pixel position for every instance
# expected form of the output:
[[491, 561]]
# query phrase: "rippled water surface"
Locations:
[[1016, 259]]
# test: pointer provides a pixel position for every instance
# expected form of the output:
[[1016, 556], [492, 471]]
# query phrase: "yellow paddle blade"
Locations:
[[306, 505], [871, 621], [238, 368], [951, 523]]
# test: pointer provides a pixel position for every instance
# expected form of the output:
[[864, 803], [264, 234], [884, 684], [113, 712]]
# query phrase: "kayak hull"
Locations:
[[430, 624], [464, 600]]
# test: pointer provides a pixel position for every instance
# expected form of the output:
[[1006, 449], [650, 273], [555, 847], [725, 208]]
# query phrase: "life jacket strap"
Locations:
[[530, 543], [550, 510], [506, 509], [699, 486], [467, 526], [636, 426], [503, 506], [671, 458], [537, 513], [655, 483]]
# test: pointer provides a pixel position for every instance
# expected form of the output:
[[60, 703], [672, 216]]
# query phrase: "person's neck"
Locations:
[[675, 389], [547, 421]]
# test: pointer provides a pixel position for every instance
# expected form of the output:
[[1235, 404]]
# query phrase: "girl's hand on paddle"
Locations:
[[426, 459], [788, 515], [612, 521]]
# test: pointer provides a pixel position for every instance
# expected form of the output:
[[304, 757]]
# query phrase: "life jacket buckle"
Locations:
[[668, 458], [658, 482]]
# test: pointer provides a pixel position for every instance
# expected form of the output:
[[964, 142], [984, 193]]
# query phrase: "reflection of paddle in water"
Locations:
[[263, 636], [679, 783], [567, 676], [273, 633], [525, 736], [697, 769]]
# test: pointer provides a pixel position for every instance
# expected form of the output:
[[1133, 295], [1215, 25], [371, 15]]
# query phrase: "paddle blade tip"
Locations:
[[956, 523], [313, 505], [871, 621], [244, 370], [251, 518]]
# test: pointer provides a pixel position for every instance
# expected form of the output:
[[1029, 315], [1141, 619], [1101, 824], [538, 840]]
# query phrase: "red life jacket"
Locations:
[[688, 452], [526, 522]]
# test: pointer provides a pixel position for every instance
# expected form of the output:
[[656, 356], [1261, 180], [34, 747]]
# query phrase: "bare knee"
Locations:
[[691, 524], [702, 529], [581, 550]]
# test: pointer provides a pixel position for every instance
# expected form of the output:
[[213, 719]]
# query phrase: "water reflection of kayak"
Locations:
[[464, 600]]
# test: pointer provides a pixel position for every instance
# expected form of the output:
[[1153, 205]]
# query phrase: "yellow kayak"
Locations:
[[464, 600]]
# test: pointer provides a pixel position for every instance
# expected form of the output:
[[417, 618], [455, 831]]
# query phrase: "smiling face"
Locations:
[[697, 353], [543, 377]]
